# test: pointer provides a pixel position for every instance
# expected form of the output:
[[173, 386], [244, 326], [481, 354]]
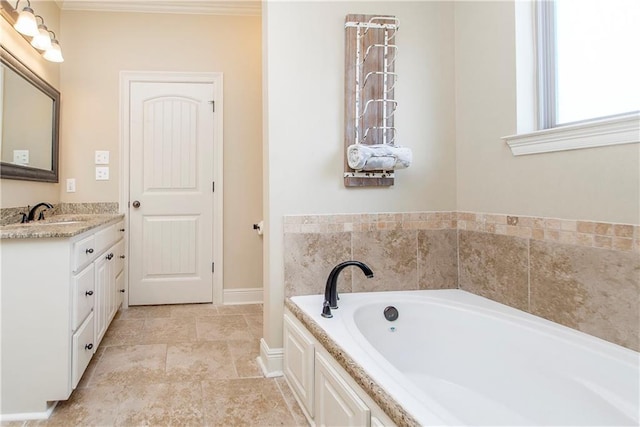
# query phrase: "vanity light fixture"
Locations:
[[42, 40], [26, 23], [54, 53]]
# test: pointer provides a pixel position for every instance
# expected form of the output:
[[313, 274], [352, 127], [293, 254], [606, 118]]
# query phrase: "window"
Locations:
[[588, 89], [589, 61]]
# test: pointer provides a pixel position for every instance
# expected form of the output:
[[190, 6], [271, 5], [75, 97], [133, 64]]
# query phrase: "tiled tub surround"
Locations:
[[582, 274], [14, 215]]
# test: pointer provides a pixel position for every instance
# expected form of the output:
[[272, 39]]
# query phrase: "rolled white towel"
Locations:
[[378, 157]]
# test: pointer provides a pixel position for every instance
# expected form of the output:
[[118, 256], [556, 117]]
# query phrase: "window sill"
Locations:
[[597, 133]]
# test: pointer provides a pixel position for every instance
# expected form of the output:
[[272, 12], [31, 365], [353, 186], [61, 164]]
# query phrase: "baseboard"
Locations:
[[243, 296], [29, 415], [270, 360]]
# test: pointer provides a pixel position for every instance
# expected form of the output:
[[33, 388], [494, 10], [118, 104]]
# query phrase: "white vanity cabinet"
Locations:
[[58, 297], [327, 394]]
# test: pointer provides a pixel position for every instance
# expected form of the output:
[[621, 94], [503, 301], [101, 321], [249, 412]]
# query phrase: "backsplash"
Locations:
[[14, 215], [582, 274]]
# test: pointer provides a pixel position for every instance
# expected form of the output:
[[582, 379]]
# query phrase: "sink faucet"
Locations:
[[32, 212], [331, 291]]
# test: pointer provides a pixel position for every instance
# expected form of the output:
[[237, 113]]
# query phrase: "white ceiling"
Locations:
[[208, 7]]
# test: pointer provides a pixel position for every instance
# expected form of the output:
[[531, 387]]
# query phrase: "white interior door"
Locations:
[[171, 164]]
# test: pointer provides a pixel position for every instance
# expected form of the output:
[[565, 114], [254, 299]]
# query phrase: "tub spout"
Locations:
[[331, 291]]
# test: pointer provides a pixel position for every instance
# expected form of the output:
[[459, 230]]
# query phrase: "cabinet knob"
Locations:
[[122, 229], [136, 204], [88, 346], [122, 291], [89, 293], [89, 251], [109, 257], [122, 256]]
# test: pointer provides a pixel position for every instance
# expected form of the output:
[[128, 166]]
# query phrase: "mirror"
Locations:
[[30, 119]]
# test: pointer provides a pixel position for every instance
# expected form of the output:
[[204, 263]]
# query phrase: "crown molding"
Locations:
[[193, 7]]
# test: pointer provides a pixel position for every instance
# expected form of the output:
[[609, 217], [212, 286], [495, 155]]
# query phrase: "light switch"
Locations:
[[102, 173], [21, 157], [102, 157], [71, 185]]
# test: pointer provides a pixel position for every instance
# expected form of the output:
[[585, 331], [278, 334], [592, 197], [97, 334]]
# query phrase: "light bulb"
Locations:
[[26, 23], [54, 53], [42, 40]]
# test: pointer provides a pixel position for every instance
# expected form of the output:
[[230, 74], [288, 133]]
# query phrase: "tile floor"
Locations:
[[179, 365]]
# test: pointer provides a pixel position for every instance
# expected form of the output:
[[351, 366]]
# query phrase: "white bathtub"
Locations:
[[454, 358]]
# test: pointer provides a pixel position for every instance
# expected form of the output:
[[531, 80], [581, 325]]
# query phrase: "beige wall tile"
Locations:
[[391, 254], [309, 258], [592, 290], [437, 259], [495, 267]]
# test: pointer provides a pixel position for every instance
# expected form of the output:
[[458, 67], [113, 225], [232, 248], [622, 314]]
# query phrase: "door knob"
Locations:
[[136, 204]]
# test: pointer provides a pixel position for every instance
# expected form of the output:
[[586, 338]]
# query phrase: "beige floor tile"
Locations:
[[198, 361], [193, 310], [96, 406], [174, 404], [231, 327], [130, 364], [144, 312], [292, 403], [123, 331], [244, 354], [240, 309], [245, 402], [254, 321], [88, 373], [168, 330]]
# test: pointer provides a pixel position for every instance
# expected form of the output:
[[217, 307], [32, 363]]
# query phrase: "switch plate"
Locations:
[[71, 185], [102, 157], [102, 173], [21, 157]]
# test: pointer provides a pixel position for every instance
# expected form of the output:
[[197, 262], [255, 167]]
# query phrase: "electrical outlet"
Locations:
[[102, 157], [21, 157], [71, 185], [102, 173]]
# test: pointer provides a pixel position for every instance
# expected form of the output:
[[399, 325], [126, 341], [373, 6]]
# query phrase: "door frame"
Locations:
[[126, 79]]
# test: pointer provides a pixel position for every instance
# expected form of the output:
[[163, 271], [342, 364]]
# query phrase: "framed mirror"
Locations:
[[29, 123]]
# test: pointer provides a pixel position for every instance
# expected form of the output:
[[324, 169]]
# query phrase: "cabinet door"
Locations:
[[336, 403], [298, 363], [83, 295], [119, 290], [103, 295], [83, 349]]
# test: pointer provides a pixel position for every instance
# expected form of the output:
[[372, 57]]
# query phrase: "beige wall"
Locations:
[[304, 148], [601, 184], [98, 45], [15, 193]]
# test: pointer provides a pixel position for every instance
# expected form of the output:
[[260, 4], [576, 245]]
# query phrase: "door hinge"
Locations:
[[213, 105], [213, 267], [213, 186]]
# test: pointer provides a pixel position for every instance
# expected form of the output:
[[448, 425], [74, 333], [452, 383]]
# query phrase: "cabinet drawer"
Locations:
[[105, 237], [118, 257], [83, 295], [84, 251], [83, 348]]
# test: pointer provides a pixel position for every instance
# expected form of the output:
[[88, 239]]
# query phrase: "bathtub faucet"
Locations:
[[331, 290]]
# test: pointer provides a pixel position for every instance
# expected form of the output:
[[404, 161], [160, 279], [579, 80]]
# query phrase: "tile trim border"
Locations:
[[603, 235]]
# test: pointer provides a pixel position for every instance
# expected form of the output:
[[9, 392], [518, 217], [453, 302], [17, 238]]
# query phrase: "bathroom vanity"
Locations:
[[62, 283]]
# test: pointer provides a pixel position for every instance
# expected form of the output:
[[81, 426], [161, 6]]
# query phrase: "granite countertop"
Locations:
[[67, 225], [388, 404]]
